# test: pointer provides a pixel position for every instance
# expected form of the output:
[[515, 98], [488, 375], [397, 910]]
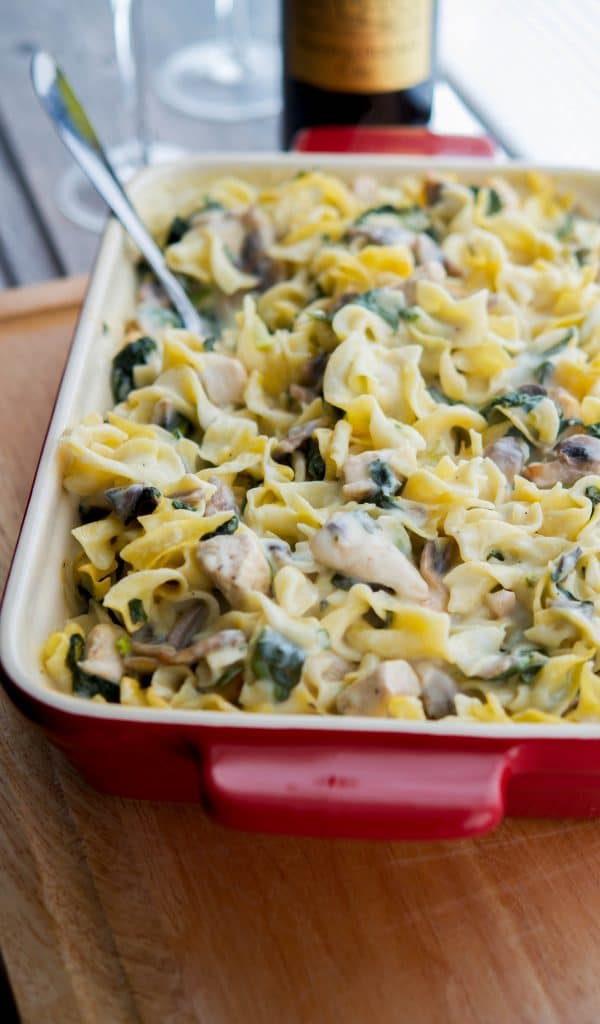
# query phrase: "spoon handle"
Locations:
[[73, 126]]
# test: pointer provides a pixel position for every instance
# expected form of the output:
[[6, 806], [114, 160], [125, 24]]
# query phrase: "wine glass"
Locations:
[[75, 196], [230, 76]]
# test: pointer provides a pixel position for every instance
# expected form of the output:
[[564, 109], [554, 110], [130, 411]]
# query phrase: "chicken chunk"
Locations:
[[222, 500], [510, 455], [352, 544], [372, 694], [102, 657], [578, 455], [224, 379], [236, 564]]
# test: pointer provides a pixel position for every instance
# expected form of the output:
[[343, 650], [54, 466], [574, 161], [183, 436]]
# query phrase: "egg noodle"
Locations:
[[372, 486]]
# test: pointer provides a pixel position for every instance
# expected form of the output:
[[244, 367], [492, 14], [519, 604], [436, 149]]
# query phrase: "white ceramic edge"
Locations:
[[95, 303]]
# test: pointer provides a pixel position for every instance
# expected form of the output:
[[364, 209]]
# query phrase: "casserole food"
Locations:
[[344, 776]]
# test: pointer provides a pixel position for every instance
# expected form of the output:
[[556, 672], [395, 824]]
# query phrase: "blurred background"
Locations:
[[524, 72]]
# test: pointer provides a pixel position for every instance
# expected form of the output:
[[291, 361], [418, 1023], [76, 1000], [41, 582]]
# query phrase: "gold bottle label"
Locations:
[[360, 45]]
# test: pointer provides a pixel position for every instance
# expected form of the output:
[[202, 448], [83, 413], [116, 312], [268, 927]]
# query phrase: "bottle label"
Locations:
[[360, 45]]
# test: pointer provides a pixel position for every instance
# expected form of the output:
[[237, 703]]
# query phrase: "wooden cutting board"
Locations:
[[120, 911]]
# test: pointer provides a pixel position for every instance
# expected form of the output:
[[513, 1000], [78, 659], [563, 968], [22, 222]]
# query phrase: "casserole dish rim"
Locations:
[[21, 575]]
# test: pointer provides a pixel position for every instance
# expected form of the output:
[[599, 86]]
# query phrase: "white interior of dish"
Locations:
[[35, 602]]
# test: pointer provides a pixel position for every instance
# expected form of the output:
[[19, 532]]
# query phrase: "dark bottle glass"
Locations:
[[357, 62]]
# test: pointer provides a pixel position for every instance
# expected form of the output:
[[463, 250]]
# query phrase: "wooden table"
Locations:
[[117, 911]]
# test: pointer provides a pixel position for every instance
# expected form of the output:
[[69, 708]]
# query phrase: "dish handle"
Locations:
[[412, 791]]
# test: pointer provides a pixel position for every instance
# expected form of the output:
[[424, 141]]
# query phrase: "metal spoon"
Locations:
[[72, 124]]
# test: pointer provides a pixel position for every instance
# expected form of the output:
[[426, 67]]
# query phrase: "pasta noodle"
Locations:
[[372, 487]]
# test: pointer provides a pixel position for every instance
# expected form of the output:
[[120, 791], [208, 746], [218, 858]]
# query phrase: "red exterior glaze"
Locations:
[[408, 141], [329, 783]]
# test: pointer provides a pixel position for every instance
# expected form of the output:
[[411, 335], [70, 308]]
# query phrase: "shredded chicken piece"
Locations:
[[352, 543], [222, 500], [578, 455], [371, 695], [510, 455], [224, 379], [236, 564], [437, 689], [102, 657], [501, 603]]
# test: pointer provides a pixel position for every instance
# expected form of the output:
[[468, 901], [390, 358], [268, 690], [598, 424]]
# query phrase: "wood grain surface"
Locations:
[[120, 911]]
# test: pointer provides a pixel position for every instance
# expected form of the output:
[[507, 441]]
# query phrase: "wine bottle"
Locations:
[[357, 61]]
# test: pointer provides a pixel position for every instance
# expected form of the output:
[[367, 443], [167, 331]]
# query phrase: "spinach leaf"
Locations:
[[388, 304], [493, 204], [593, 493], [182, 505], [525, 664], [85, 684], [230, 673], [136, 353], [209, 343], [137, 612], [177, 424], [523, 399], [91, 513], [385, 481], [413, 218], [229, 526], [278, 660], [179, 227], [315, 464], [593, 429], [565, 564]]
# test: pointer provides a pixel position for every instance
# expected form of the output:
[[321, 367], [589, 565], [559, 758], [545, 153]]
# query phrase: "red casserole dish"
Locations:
[[272, 773]]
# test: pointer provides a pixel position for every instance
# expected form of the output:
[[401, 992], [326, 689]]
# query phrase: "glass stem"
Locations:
[[130, 62], [232, 28]]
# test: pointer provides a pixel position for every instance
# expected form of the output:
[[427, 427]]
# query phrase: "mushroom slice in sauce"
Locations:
[[438, 689], [437, 558], [372, 694], [352, 544], [296, 437], [167, 654], [510, 455], [135, 500], [578, 455]]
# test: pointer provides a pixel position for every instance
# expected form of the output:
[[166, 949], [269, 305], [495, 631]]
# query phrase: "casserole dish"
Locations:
[[300, 774]]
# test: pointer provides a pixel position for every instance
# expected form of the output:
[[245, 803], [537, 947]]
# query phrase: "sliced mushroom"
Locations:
[[224, 379], [236, 564], [167, 654], [501, 603], [438, 689], [372, 694], [437, 558], [187, 624], [352, 544], [510, 455], [102, 657], [254, 257], [135, 500], [296, 437], [310, 381], [578, 455]]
